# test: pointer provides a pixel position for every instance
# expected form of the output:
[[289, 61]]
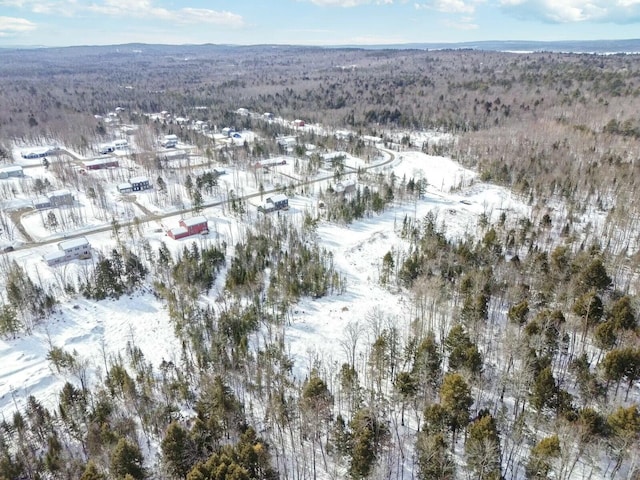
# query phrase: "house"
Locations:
[[14, 171], [139, 184], [77, 248], [125, 187], [195, 225], [271, 162], [37, 152], [275, 202], [267, 116], [60, 197], [178, 233], [189, 226], [298, 123], [100, 163], [280, 201], [105, 148], [228, 131], [242, 111], [172, 155], [41, 203], [169, 141], [121, 144], [346, 187], [287, 142]]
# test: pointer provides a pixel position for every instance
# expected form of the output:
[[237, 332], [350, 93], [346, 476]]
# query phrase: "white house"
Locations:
[[11, 171], [169, 141], [121, 144], [125, 187], [76, 248]]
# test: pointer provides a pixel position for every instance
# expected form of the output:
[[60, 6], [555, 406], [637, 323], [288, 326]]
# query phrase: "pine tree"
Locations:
[[455, 397], [434, 459], [482, 448], [177, 450], [126, 459], [367, 437], [463, 353], [625, 427], [9, 323], [540, 462], [91, 472], [545, 391]]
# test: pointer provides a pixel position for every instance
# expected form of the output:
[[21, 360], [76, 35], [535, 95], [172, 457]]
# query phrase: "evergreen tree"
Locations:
[[126, 459], [434, 459], [177, 450], [544, 391], [455, 397], [482, 448], [463, 353], [9, 323], [540, 464], [368, 435], [91, 472]]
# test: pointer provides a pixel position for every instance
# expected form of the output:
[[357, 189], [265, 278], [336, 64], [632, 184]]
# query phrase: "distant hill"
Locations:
[[566, 46], [570, 46]]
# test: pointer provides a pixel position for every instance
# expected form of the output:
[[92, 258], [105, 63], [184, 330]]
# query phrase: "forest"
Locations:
[[519, 357]]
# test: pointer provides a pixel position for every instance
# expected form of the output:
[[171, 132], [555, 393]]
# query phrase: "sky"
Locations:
[[312, 22]]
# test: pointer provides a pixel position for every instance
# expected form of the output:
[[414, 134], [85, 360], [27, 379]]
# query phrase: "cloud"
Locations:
[[467, 7], [349, 3], [12, 25], [574, 11], [464, 24], [129, 9]]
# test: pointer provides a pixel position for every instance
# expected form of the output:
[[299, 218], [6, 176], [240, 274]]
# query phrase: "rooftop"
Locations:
[[280, 197], [73, 243], [138, 180], [189, 222]]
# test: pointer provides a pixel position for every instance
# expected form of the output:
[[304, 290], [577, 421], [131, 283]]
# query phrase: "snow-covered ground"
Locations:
[[94, 329], [91, 331]]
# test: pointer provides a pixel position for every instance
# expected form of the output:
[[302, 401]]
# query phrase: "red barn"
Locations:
[[100, 163], [195, 225], [178, 233]]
